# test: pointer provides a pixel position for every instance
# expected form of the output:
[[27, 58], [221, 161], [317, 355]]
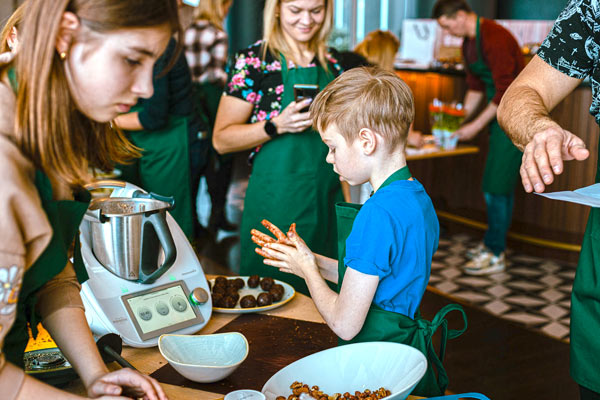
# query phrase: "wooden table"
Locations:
[[427, 153], [149, 360]]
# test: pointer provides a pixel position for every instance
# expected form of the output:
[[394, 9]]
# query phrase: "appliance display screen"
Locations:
[[161, 310]]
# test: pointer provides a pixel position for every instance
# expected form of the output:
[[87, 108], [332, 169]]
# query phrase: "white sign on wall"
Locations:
[[419, 41]]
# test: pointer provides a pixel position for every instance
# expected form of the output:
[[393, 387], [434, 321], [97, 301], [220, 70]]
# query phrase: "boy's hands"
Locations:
[[288, 252], [295, 259], [262, 239]]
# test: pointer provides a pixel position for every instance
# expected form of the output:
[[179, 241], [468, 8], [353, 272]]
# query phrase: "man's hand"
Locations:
[[544, 154], [467, 131]]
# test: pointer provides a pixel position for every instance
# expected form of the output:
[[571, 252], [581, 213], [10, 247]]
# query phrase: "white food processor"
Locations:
[[145, 279]]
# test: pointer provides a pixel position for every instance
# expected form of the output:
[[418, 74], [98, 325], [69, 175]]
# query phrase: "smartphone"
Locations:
[[305, 91]]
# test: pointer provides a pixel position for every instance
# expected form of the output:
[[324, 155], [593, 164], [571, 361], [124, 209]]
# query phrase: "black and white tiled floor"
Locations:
[[531, 291]]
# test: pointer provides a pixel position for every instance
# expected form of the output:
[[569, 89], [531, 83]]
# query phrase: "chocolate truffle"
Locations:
[[264, 299], [266, 283], [248, 301], [253, 281]]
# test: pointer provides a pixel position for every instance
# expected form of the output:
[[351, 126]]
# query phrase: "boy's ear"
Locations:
[[69, 25], [368, 141]]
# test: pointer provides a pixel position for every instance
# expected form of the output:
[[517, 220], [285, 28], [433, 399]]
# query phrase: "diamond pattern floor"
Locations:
[[531, 291]]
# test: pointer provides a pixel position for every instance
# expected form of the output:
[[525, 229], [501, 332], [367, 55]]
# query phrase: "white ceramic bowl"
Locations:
[[359, 366], [204, 358]]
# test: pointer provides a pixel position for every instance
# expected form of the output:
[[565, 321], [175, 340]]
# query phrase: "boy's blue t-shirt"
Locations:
[[394, 236]]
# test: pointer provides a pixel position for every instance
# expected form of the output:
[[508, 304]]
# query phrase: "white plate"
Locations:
[[288, 294]]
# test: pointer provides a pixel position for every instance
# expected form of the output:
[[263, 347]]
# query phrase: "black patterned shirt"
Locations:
[[573, 46]]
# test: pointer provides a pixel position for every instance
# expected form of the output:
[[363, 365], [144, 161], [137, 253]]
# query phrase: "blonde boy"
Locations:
[[363, 116]]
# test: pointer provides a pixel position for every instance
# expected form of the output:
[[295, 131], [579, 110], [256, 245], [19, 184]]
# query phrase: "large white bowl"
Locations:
[[204, 358], [359, 366]]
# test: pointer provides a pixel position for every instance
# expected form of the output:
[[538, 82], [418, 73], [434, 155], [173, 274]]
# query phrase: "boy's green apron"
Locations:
[[585, 305], [65, 217], [387, 326], [291, 182], [165, 167], [504, 159]]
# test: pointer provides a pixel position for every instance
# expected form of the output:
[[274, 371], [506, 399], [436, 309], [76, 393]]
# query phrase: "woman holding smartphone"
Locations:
[[78, 65], [290, 180]]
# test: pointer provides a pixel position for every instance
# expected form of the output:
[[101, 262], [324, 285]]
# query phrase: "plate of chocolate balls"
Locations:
[[248, 294]]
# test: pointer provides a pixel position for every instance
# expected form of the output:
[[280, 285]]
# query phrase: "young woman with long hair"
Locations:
[[79, 64], [290, 180]]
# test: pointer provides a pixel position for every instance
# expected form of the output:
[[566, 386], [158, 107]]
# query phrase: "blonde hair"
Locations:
[[379, 48], [49, 129], [212, 11], [275, 42], [14, 21], [366, 97]]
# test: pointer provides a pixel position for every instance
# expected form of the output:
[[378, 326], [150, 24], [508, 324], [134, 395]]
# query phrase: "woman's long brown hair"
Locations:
[[49, 129]]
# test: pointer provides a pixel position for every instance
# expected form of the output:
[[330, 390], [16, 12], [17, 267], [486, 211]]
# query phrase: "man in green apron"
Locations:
[[385, 247], [567, 56], [493, 59]]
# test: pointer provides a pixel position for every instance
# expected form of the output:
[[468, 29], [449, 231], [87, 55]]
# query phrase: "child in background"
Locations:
[[386, 246], [379, 48]]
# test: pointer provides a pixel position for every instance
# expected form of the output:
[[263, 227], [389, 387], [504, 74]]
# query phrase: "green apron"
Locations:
[[504, 159], [291, 182], [65, 217], [387, 326], [585, 305], [165, 168]]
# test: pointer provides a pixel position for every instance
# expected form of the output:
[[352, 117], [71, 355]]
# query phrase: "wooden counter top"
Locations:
[[149, 360], [424, 154]]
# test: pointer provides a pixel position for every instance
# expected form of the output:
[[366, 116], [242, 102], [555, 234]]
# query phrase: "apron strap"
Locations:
[[461, 396], [440, 321]]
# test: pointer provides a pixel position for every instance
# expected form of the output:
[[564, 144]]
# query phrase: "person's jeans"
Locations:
[[499, 215]]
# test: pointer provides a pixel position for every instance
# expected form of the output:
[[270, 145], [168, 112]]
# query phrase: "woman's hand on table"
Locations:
[[292, 120], [126, 382], [544, 154], [296, 259]]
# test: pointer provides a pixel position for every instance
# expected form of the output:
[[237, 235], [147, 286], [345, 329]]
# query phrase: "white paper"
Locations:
[[588, 196]]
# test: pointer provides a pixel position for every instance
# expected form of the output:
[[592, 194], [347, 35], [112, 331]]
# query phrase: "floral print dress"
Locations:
[[260, 82]]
